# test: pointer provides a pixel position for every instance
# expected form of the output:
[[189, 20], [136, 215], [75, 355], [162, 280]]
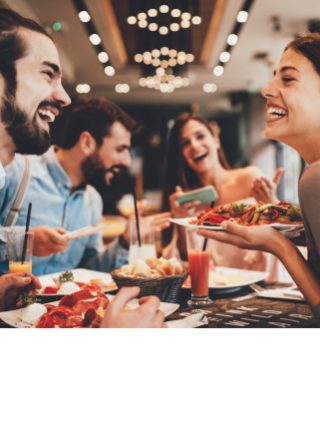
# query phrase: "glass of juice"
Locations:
[[199, 264], [147, 250], [20, 244]]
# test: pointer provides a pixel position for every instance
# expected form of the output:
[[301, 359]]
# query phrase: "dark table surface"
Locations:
[[241, 308]]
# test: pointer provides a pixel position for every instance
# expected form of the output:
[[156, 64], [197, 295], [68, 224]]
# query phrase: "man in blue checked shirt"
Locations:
[[95, 145]]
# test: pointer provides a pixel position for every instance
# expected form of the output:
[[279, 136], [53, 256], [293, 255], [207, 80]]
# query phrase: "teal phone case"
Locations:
[[204, 195]]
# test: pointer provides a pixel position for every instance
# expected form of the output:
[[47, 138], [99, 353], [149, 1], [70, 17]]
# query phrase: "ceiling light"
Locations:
[[147, 56], [172, 53], [118, 88], [155, 62], [138, 57], [232, 40], [164, 8], [209, 87], [181, 60], [125, 88], [95, 39], [147, 61], [196, 20], [164, 50], [163, 30], [142, 24], [175, 13], [131, 20], [218, 70], [224, 57], [142, 16], [153, 26], [103, 57], [160, 71], [174, 26], [242, 16], [84, 16], [142, 82], [164, 63], [57, 26], [109, 71], [185, 81], [83, 88], [190, 57], [172, 62], [185, 24], [186, 16], [155, 53], [152, 12]]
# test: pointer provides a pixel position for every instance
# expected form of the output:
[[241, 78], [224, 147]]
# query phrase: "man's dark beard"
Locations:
[[94, 171], [26, 135]]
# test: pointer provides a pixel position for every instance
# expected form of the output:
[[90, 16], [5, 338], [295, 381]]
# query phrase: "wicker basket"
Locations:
[[167, 288]]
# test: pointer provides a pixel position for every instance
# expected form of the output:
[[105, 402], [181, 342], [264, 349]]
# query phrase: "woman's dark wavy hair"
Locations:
[[94, 115], [176, 171], [12, 45], [309, 47]]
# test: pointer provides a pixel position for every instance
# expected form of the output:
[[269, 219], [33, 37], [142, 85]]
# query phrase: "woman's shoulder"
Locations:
[[247, 173]]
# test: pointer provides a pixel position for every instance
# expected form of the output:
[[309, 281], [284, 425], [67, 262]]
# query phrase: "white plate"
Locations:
[[185, 221], [223, 278], [13, 318], [166, 308], [81, 275]]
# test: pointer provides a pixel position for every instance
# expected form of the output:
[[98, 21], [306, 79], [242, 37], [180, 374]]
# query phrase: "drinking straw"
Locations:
[[25, 241], [136, 213], [205, 242]]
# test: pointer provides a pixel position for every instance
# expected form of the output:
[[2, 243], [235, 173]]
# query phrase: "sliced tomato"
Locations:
[[50, 290]]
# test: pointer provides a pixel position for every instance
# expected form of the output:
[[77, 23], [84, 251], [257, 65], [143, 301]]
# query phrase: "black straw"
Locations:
[[25, 241], [136, 213], [205, 242]]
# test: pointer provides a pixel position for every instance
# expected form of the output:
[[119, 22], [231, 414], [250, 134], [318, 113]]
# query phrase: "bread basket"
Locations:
[[167, 288]]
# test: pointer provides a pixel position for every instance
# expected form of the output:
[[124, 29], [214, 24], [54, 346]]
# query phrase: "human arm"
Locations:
[[49, 240], [265, 190], [146, 315], [272, 241], [12, 284]]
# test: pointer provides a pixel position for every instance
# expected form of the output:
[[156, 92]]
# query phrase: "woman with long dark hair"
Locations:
[[195, 159], [293, 117]]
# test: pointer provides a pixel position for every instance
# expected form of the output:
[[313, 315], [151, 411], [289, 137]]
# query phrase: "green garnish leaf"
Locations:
[[65, 277]]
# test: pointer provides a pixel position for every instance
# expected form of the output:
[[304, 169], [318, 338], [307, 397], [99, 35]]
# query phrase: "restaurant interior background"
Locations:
[[158, 58]]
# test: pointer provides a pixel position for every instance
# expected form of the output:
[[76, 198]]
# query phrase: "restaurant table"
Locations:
[[244, 309]]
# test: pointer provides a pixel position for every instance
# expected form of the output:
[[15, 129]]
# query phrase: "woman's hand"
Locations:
[[184, 210], [248, 237], [265, 190]]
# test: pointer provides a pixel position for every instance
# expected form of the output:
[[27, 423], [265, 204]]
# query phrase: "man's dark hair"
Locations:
[[12, 45], [96, 116]]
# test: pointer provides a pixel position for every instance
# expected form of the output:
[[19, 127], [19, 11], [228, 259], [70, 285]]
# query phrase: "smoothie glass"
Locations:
[[15, 242], [199, 265]]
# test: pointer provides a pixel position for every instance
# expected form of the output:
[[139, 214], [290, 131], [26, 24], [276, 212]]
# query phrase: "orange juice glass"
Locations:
[[19, 246], [20, 267]]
